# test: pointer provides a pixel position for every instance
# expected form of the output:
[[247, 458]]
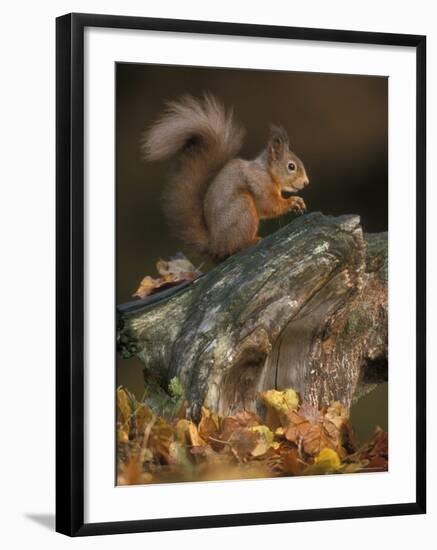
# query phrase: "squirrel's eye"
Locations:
[[291, 166]]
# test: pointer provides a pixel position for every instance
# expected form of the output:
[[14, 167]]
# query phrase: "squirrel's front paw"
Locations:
[[298, 205]]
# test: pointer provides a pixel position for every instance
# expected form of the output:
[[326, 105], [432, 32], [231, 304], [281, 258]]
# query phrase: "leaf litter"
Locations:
[[294, 439]]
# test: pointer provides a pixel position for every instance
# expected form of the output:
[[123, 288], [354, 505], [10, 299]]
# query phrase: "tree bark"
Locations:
[[305, 308]]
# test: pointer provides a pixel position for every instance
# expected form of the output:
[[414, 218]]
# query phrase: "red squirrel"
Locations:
[[214, 201]]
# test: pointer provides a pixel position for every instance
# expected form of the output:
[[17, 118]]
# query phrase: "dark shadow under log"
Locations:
[[305, 308]]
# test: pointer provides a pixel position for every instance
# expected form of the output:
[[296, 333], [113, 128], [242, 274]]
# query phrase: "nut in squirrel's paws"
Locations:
[[298, 205]]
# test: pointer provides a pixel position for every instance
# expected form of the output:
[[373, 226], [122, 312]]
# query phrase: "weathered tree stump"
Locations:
[[305, 308]]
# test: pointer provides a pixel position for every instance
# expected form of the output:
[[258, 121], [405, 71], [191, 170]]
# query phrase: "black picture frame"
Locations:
[[70, 273]]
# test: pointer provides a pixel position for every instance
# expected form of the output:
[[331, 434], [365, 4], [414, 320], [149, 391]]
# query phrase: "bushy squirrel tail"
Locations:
[[205, 137]]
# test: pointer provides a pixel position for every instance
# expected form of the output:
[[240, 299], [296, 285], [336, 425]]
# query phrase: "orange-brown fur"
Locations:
[[214, 201]]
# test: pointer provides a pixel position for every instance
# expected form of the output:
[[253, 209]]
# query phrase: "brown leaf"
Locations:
[[379, 444], [318, 431], [173, 272], [290, 461], [208, 425], [177, 268], [375, 451], [147, 286], [247, 419], [243, 419], [160, 439], [313, 437], [310, 412], [377, 463], [228, 426], [243, 442]]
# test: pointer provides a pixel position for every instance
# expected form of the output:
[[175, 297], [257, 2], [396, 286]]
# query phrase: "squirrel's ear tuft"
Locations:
[[278, 142]]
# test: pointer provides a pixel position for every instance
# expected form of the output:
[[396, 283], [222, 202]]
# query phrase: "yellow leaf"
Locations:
[[122, 436], [265, 440], [282, 401], [329, 458], [326, 462], [123, 406], [147, 285], [188, 434], [195, 438]]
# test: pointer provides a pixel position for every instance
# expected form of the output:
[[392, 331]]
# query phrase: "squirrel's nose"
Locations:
[[306, 182]]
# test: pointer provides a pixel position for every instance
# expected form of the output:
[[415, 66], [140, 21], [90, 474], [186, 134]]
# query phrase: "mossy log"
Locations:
[[304, 308]]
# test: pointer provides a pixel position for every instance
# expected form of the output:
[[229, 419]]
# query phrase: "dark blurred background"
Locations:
[[338, 126]]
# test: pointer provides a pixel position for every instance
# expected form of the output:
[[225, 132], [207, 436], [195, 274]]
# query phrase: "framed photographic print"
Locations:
[[240, 274]]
